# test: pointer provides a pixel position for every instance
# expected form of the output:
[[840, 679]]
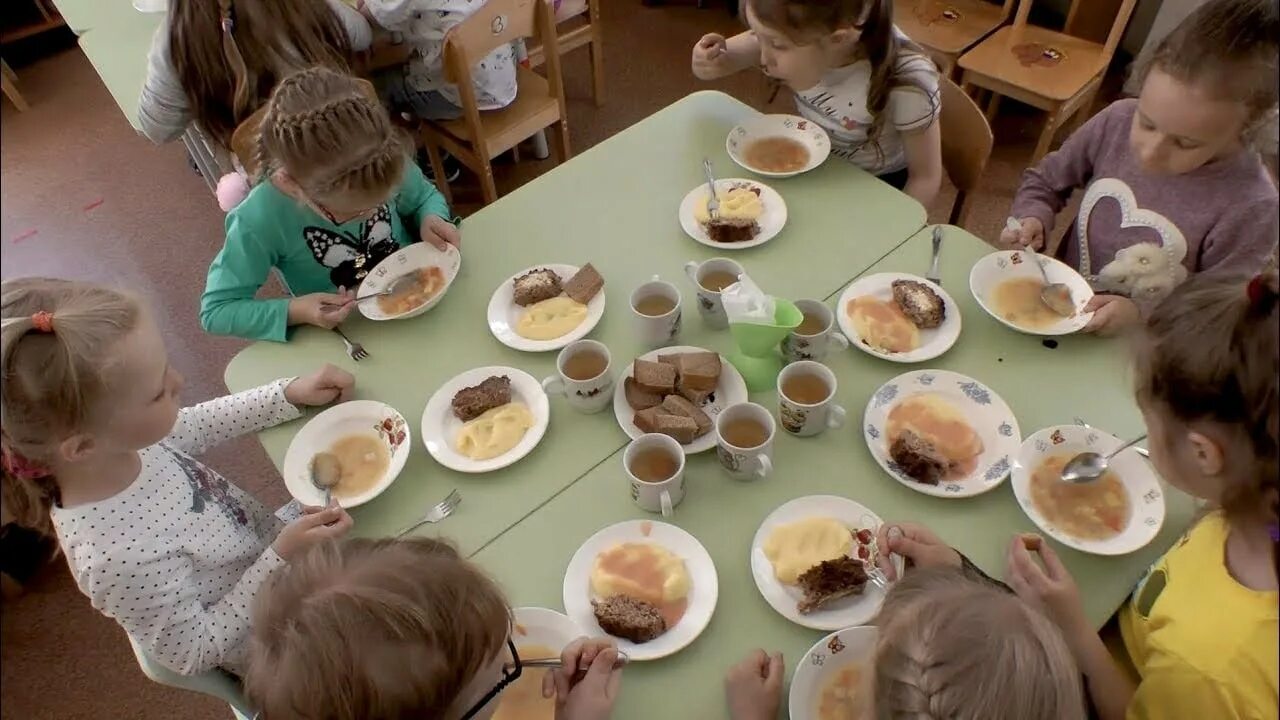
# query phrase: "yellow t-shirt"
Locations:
[[1205, 645]]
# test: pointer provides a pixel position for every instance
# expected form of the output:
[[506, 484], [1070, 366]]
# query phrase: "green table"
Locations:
[[615, 206], [116, 38], [1083, 376]]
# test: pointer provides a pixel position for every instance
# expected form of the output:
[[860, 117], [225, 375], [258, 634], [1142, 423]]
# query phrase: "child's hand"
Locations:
[[592, 696], [709, 56], [325, 310], [1029, 235], [440, 232], [917, 544], [1051, 588], [1112, 314], [316, 525], [753, 687], [326, 385]]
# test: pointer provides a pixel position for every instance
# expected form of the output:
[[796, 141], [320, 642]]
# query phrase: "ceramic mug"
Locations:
[[807, 419], [662, 496], [818, 345], [710, 306], [743, 463], [588, 396], [662, 329]]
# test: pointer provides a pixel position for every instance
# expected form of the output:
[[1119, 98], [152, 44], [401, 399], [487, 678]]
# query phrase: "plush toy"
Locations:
[[233, 188]]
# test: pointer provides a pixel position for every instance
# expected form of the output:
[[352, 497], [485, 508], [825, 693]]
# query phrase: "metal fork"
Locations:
[[438, 512], [1140, 450], [933, 275], [354, 349], [713, 203]]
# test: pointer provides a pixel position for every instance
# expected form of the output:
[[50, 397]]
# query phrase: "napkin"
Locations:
[[745, 302]]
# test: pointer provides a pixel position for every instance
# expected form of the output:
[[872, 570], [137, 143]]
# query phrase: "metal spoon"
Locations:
[[398, 285], [1089, 466], [1055, 296], [326, 471]]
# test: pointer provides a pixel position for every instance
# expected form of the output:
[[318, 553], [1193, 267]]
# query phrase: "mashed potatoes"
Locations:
[[495, 432], [736, 204], [795, 547], [938, 421], [882, 325], [642, 571], [550, 319]]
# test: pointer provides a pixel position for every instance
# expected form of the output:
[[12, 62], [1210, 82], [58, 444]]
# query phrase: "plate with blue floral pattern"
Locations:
[[984, 410]]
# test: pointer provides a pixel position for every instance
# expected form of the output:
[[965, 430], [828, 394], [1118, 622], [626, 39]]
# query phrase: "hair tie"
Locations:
[[228, 25], [1255, 289], [42, 321], [1274, 530], [20, 467]]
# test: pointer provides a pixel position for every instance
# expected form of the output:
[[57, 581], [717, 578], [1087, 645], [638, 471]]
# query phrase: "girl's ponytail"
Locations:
[[245, 91]]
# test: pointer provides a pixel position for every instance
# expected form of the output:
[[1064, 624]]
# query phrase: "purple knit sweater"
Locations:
[[1139, 234]]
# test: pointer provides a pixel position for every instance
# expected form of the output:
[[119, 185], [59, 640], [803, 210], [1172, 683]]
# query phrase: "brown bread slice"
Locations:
[[584, 284], [700, 370], [683, 429], [470, 403], [629, 618], [830, 580], [647, 419], [637, 398], [679, 405], [655, 377], [697, 397]]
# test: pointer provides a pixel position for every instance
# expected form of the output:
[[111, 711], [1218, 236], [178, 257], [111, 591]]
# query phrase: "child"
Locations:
[[1171, 184], [337, 195], [215, 62], [92, 435], [949, 647], [1201, 628], [402, 630], [853, 73]]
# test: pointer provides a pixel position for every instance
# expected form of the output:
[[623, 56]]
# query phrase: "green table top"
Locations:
[[1042, 386], [115, 37], [615, 206]]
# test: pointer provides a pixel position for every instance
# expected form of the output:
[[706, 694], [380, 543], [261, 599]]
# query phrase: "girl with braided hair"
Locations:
[[336, 194]]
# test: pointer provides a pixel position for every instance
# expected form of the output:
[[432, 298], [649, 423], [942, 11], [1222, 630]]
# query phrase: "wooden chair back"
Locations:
[[496, 23], [1085, 24], [966, 145]]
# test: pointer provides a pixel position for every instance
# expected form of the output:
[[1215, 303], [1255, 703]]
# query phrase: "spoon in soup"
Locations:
[[1055, 296], [1089, 466], [326, 471], [397, 287]]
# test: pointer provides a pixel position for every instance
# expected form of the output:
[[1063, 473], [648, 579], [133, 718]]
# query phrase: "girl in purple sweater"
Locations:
[[1172, 184]]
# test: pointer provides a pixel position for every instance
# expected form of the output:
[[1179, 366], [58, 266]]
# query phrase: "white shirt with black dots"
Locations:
[[177, 557]]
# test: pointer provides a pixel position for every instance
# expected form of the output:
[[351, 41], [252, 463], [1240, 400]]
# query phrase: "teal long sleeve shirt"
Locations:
[[271, 230]]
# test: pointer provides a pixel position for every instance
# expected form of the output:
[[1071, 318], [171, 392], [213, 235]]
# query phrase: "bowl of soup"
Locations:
[[537, 633], [1007, 285], [1116, 514], [833, 681], [369, 441], [429, 272], [778, 145]]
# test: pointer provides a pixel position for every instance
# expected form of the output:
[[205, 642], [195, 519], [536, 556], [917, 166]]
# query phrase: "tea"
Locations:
[[653, 465], [655, 305], [717, 280], [745, 433], [812, 324], [806, 388], [777, 154], [585, 365]]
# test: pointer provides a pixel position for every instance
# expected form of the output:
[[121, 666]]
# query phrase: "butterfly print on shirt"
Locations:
[[350, 258]]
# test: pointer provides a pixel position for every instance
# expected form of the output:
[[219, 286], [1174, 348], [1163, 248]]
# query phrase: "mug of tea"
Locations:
[[583, 376], [656, 308], [711, 277], [806, 399], [744, 434], [815, 336], [654, 464]]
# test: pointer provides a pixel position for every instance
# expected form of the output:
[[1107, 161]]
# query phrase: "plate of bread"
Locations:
[[898, 317], [678, 391], [546, 307], [750, 214], [485, 419]]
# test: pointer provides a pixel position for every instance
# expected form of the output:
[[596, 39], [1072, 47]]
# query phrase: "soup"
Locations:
[[844, 695], [806, 388], [522, 700], [1018, 301], [1097, 510], [364, 459], [717, 280], [655, 305], [777, 155], [424, 286]]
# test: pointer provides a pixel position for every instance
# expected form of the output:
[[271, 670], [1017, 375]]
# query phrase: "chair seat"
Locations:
[[1044, 62], [533, 109], [949, 27]]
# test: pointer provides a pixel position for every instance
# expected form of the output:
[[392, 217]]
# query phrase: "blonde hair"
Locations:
[[366, 629], [957, 649], [53, 382], [331, 137]]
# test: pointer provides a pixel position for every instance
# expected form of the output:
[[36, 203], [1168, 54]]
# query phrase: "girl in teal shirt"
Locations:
[[339, 196]]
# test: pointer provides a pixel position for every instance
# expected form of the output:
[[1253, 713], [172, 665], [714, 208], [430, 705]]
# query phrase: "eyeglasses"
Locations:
[[328, 215], [510, 673]]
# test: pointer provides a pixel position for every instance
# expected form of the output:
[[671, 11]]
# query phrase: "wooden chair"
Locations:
[[966, 146], [9, 81], [1054, 71], [947, 28], [476, 138], [589, 34]]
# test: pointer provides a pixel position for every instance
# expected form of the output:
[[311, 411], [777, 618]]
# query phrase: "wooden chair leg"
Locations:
[[597, 69], [9, 85], [993, 106], [959, 209], [437, 167], [487, 184], [560, 139], [1083, 112], [1051, 125]]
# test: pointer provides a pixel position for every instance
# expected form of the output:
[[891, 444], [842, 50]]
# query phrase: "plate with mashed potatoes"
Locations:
[[546, 307], [898, 317], [750, 214], [485, 419], [649, 585], [809, 558]]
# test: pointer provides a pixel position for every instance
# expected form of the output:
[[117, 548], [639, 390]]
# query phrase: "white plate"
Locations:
[[540, 626], [827, 657], [504, 312], [440, 426], [703, 591], [933, 342], [807, 132], [855, 610], [1146, 498], [407, 259], [997, 267], [770, 222], [984, 409], [731, 390], [355, 417]]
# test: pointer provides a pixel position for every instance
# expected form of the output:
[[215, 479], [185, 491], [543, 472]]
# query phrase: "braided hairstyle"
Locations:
[[1211, 352], [951, 648], [333, 138]]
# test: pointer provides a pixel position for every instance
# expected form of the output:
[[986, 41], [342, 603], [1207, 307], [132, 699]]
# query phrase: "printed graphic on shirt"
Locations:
[[1148, 590], [350, 258], [209, 487], [1145, 271]]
